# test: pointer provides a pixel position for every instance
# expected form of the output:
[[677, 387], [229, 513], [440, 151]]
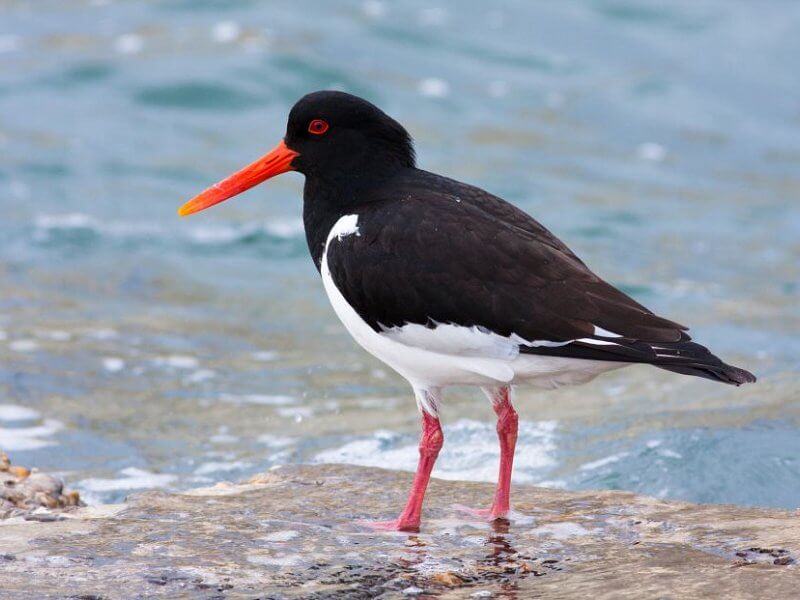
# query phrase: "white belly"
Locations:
[[481, 357]]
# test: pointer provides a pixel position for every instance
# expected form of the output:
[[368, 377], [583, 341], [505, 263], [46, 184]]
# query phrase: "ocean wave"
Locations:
[[79, 229], [471, 451]]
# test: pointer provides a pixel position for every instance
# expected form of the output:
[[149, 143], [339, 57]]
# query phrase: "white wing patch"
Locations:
[[604, 332], [596, 342], [458, 340], [346, 225]]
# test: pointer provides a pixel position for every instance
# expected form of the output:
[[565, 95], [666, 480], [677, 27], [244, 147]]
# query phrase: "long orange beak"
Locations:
[[277, 161]]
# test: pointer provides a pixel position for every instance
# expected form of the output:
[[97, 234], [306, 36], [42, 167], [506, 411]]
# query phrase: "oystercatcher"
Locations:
[[449, 284]]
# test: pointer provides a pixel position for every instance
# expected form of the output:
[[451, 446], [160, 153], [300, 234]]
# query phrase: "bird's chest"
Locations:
[[364, 334], [421, 366]]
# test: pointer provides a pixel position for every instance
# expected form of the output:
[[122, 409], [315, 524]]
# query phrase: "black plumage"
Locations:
[[431, 250]]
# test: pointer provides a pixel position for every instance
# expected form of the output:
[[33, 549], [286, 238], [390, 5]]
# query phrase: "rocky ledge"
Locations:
[[290, 533]]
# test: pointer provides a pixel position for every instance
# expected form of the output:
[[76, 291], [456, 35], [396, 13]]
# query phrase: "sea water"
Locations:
[[138, 350]]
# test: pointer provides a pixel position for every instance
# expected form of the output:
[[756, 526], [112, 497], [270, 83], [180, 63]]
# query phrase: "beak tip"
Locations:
[[185, 210]]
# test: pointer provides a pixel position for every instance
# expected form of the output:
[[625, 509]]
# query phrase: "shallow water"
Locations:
[[139, 350]]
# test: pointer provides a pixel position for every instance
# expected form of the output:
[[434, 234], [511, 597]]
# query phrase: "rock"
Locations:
[[23, 492], [19, 472], [289, 533]]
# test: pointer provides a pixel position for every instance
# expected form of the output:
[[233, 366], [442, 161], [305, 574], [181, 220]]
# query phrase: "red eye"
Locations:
[[318, 127]]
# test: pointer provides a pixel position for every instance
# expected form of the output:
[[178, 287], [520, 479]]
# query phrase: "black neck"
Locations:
[[327, 199]]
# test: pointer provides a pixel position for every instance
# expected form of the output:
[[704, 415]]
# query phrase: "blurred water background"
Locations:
[[661, 140]]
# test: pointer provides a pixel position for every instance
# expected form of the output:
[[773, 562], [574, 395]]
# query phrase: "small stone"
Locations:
[[19, 472], [47, 484], [413, 591], [44, 500], [783, 560], [447, 578]]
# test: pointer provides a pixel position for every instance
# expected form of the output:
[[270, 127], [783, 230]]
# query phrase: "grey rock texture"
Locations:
[[290, 533]]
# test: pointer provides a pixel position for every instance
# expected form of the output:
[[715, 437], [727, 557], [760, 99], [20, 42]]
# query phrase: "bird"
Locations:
[[448, 284]]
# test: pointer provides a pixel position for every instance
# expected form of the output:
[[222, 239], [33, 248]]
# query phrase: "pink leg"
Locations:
[[429, 445], [507, 427]]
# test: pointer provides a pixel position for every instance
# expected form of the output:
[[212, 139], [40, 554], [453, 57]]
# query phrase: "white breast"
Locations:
[[450, 354]]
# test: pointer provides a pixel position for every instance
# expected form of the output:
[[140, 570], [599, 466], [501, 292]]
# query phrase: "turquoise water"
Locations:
[[660, 140]]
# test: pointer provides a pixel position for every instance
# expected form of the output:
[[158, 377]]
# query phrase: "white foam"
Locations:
[[602, 462], [177, 361], [46, 225], [129, 43], [226, 32], [285, 228], [223, 436], [132, 479], [651, 151], [55, 335], [264, 399], [275, 441], [24, 345], [298, 413], [29, 438], [433, 87], [113, 364], [216, 467], [667, 453], [264, 355], [102, 334], [14, 412], [471, 451], [200, 376]]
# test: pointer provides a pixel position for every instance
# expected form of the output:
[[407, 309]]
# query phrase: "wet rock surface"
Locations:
[[290, 533], [32, 495]]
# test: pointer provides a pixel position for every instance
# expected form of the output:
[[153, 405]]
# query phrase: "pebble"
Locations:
[[23, 492], [447, 578]]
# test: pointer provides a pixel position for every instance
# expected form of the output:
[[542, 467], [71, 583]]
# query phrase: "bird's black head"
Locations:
[[338, 134], [331, 136]]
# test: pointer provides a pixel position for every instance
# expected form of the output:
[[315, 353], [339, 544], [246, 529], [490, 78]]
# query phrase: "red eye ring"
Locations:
[[318, 127]]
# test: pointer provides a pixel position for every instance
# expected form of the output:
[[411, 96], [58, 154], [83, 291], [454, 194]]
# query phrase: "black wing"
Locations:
[[458, 255]]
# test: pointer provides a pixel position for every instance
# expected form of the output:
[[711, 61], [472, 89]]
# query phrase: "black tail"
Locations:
[[690, 358], [722, 372], [685, 357]]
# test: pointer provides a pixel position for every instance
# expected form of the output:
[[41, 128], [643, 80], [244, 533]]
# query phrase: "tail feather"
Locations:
[[724, 373], [684, 356], [690, 358]]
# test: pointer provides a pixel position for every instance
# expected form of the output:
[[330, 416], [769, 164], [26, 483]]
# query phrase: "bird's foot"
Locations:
[[484, 514], [393, 525]]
